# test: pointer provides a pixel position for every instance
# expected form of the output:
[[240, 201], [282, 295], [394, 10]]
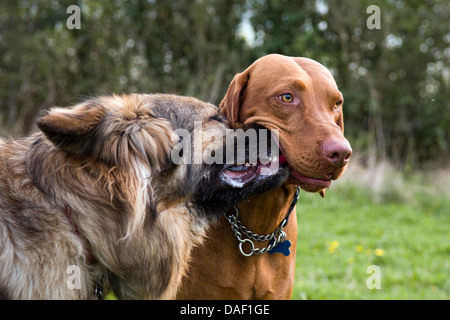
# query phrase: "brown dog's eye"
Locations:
[[338, 104], [286, 97]]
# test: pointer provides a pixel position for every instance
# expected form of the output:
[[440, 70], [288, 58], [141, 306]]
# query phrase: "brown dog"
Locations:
[[299, 97], [97, 194]]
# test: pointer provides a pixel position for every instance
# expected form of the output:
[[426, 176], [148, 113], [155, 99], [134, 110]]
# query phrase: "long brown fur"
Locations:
[[106, 162]]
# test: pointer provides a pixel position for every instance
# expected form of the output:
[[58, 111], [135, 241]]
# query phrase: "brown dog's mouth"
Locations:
[[308, 183], [312, 184]]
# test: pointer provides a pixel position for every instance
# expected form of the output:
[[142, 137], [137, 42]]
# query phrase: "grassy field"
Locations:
[[401, 227]]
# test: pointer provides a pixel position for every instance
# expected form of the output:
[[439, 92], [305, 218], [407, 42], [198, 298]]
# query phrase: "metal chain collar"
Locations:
[[239, 230]]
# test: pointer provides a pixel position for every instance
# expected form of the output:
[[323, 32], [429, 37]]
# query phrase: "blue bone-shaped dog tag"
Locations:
[[282, 247]]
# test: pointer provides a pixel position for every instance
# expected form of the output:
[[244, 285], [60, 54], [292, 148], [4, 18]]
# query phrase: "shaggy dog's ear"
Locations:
[[117, 130], [72, 129]]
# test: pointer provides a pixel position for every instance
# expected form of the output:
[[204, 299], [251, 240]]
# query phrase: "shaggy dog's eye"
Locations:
[[217, 117], [287, 97]]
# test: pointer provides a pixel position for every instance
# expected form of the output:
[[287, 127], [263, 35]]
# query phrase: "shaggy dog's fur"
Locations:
[[96, 192]]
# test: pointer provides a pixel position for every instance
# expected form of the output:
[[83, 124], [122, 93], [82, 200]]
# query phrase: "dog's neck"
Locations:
[[90, 258], [263, 214]]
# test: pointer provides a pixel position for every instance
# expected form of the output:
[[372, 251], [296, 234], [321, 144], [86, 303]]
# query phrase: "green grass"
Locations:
[[406, 235]]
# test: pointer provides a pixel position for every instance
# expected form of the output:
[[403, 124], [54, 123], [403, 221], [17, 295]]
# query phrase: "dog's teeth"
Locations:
[[247, 164]]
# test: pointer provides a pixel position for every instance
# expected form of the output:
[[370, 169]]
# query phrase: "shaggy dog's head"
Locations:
[[128, 143]]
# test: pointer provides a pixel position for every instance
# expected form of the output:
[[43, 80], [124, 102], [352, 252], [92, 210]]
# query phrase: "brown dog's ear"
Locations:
[[72, 128], [231, 103]]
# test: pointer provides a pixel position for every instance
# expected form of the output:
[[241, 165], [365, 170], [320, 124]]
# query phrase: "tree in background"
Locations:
[[395, 79], [181, 46]]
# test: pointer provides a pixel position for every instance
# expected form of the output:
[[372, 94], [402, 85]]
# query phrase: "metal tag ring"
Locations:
[[242, 251], [281, 236]]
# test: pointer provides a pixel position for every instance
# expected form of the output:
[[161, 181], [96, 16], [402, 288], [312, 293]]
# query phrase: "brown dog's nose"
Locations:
[[337, 152]]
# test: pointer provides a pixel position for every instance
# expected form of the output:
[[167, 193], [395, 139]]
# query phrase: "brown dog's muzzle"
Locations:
[[316, 154], [315, 170]]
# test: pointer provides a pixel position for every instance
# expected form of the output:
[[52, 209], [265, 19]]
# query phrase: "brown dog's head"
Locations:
[[298, 97]]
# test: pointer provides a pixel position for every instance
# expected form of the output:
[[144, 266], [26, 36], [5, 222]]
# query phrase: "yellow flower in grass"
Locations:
[[380, 252], [359, 249], [333, 246]]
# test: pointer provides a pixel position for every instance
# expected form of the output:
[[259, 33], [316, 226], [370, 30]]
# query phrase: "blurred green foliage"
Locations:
[[395, 80]]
